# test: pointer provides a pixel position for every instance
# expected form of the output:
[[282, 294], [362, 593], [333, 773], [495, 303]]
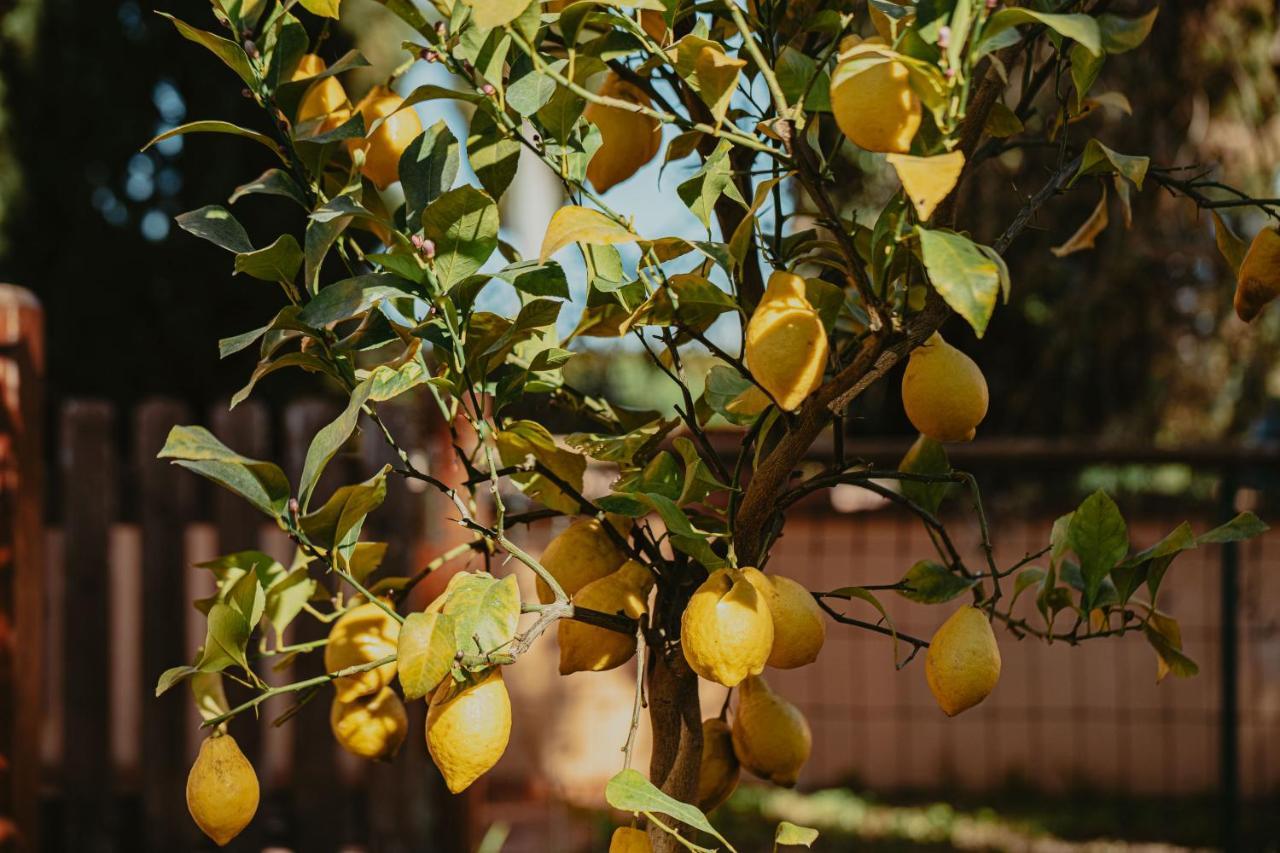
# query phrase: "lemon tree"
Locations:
[[388, 284]]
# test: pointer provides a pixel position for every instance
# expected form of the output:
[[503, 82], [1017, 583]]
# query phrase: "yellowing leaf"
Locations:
[[574, 224], [1232, 247], [928, 180], [488, 14], [324, 8], [1088, 232], [1002, 122], [709, 71]]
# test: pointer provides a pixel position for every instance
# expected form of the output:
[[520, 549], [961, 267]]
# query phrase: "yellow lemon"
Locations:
[[581, 554], [586, 647], [876, 107], [370, 727], [944, 392], [786, 342], [383, 147], [718, 772], [798, 628], [726, 630], [323, 97], [363, 634], [628, 839], [222, 789], [963, 662], [770, 736], [628, 139], [1258, 281], [468, 728]]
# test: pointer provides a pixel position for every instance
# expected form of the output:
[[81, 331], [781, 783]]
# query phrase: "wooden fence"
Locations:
[[95, 602]]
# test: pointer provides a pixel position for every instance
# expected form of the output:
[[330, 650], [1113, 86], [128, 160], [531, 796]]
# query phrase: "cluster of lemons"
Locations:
[[326, 106]]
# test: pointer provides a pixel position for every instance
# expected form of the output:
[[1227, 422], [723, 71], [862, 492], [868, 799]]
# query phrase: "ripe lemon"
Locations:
[[383, 147], [786, 342], [586, 647], [370, 727], [323, 97], [770, 736], [628, 839], [944, 392], [963, 662], [1258, 281], [628, 139], [362, 635], [798, 628], [222, 789], [876, 108], [468, 728], [718, 772], [581, 554], [726, 630]]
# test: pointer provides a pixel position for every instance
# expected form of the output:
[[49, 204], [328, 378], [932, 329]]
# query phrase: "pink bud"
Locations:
[[944, 37], [428, 249], [488, 89]]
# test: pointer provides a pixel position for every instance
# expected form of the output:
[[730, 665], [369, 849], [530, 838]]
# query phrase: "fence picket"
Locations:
[[89, 495], [166, 505]]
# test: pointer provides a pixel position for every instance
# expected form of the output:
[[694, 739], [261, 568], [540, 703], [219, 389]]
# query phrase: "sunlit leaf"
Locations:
[[928, 180], [572, 224]]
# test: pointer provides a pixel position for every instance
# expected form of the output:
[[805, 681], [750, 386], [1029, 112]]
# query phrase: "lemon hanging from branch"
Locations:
[[786, 342]]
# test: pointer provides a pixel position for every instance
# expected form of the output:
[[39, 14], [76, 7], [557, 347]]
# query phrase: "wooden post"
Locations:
[[166, 505], [88, 457], [22, 570]]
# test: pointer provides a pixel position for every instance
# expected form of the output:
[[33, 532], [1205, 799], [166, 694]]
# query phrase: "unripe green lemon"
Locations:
[[963, 662], [944, 392]]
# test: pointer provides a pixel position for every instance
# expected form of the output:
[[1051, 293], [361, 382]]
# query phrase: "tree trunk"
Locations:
[[676, 717]]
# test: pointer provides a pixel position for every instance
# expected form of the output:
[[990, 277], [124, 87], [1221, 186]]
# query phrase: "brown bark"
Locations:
[[676, 717]]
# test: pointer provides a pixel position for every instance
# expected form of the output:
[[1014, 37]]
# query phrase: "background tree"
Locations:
[[384, 296]]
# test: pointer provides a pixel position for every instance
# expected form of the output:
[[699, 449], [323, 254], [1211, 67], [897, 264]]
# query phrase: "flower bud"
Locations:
[[944, 37]]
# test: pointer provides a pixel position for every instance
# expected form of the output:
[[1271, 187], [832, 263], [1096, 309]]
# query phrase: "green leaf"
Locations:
[[229, 52], [963, 275], [928, 582], [1085, 68], [271, 182], [208, 694], [319, 238], [525, 439], [213, 126], [428, 167], [795, 70], [1246, 525], [286, 597], [1098, 536], [261, 483], [494, 156], [1098, 159], [793, 835], [351, 297], [172, 677], [488, 14], [1120, 34], [425, 653], [345, 510], [536, 279], [463, 224], [485, 611], [712, 180], [1082, 28], [278, 262], [530, 92], [216, 224], [226, 636], [629, 791], [926, 456], [684, 537], [1165, 636], [1026, 579]]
